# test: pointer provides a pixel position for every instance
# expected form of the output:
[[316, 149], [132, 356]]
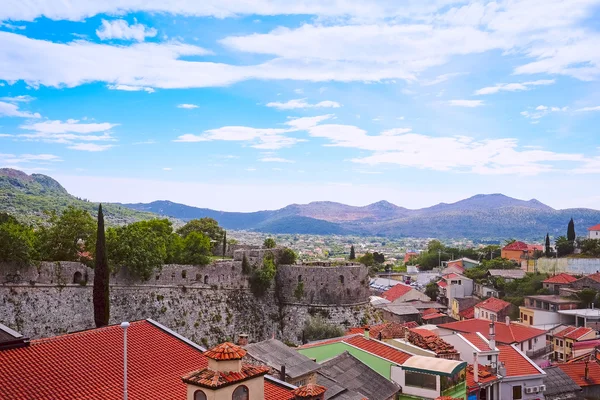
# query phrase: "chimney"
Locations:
[[367, 335], [475, 367], [406, 334], [282, 373], [492, 338], [507, 320], [502, 369], [242, 339], [587, 370]]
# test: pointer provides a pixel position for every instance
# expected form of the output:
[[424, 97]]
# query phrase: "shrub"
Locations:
[[317, 328]]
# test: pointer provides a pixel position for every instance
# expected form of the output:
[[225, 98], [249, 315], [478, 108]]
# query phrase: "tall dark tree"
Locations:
[[571, 231], [352, 253], [548, 249], [224, 243], [101, 276]]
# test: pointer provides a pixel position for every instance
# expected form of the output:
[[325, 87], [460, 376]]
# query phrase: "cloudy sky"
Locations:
[[247, 105]]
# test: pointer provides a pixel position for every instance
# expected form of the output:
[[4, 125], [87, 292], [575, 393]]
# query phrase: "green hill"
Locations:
[[28, 197]]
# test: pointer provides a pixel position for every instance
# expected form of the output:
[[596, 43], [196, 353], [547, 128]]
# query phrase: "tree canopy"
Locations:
[[16, 241], [206, 226], [269, 243], [67, 236]]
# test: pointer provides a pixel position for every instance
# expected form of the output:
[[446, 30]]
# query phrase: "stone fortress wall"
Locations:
[[208, 303]]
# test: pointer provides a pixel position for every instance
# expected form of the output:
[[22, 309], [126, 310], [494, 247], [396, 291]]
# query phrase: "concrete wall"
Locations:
[[569, 265]]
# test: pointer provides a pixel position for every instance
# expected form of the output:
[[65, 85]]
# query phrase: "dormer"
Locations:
[[226, 377]]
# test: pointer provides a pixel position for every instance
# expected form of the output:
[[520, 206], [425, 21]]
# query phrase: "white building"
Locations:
[[594, 232]]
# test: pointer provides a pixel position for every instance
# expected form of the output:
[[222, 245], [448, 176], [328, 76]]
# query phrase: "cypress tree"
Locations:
[[224, 243], [101, 277], [571, 231], [548, 251], [352, 254]]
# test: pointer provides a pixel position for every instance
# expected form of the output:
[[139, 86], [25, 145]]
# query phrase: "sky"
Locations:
[[242, 106]]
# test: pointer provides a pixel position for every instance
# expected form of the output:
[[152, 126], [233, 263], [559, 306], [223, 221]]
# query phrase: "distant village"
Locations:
[[519, 322]]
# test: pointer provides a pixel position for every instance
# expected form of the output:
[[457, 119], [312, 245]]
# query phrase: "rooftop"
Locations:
[[522, 246], [439, 365], [10, 338], [576, 372], [507, 273], [388, 330], [477, 340], [582, 312], [396, 292], [561, 278], [484, 374], [552, 298], [225, 352], [274, 353], [433, 316], [309, 390], [512, 333], [215, 379], [517, 363], [468, 313], [493, 304], [573, 332], [594, 228], [401, 309], [557, 382], [595, 277]]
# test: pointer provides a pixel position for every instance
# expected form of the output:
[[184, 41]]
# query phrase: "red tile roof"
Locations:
[[275, 391], [388, 330], [309, 390], [493, 304], [477, 341], [226, 351], [323, 342], [586, 344], [89, 365], [484, 373], [561, 278], [433, 316], [576, 372], [514, 333], [215, 379], [468, 313], [430, 311], [594, 228], [520, 246], [442, 284], [378, 348], [578, 332], [595, 277], [451, 275], [396, 291], [423, 332], [515, 362]]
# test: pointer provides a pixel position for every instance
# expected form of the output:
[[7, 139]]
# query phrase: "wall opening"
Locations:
[[206, 279], [299, 278], [342, 279], [77, 277]]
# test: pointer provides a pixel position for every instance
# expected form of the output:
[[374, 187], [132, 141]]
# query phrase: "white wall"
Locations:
[[466, 350], [397, 376], [507, 384]]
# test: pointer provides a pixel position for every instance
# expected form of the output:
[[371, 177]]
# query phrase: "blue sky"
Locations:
[[241, 105]]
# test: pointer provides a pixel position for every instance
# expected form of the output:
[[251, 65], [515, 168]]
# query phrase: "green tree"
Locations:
[[261, 279], [174, 248], [101, 276], [564, 246], [434, 246], [68, 234], [287, 257], [207, 226], [499, 263], [548, 249], [352, 253], [224, 243], [590, 247], [317, 328], [379, 258], [367, 259], [269, 243], [432, 290], [196, 249], [586, 297], [16, 242], [571, 231]]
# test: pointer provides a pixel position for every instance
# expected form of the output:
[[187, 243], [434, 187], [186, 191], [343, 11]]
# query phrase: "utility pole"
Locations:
[[440, 258]]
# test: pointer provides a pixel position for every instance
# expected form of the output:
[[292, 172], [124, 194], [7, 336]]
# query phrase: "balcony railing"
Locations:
[[539, 352]]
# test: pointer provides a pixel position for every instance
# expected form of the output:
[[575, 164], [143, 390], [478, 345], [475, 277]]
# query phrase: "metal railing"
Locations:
[[539, 352]]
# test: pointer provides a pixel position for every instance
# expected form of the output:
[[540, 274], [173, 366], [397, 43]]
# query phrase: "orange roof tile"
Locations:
[[388, 330], [216, 379], [513, 333], [484, 373], [396, 291], [594, 228], [442, 283], [493, 304], [468, 313], [576, 372], [451, 275], [515, 362], [430, 311], [274, 391], [477, 341], [322, 342], [579, 332], [595, 277], [433, 316], [309, 390], [226, 351], [378, 348], [561, 278], [521, 246]]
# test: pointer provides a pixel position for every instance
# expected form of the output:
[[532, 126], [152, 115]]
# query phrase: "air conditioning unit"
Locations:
[[529, 389], [542, 388]]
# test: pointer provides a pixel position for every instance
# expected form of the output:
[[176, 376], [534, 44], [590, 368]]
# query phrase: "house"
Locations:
[[493, 309], [564, 340], [402, 293], [556, 282], [521, 376], [462, 303], [484, 291], [530, 340], [347, 378], [464, 263], [482, 382], [585, 374], [454, 285], [387, 330], [542, 310], [584, 347], [587, 282], [409, 255], [454, 268], [517, 251], [594, 232], [161, 365], [559, 386], [435, 317], [467, 313], [378, 302], [428, 378], [283, 361], [401, 313], [424, 342], [589, 317], [508, 275]]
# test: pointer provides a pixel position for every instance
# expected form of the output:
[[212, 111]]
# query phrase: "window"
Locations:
[[300, 382], [299, 278], [342, 279], [206, 279], [557, 342], [531, 320], [199, 395], [517, 392], [77, 277], [417, 379], [241, 393], [489, 358]]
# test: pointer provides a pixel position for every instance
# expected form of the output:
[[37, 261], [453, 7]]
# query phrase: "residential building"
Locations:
[[464, 263], [485, 291], [415, 340], [453, 268], [347, 378], [402, 293], [586, 374], [530, 340], [409, 255], [89, 365], [428, 378], [542, 310], [452, 286], [378, 302], [564, 340], [467, 313], [482, 382], [387, 330], [589, 317], [560, 386], [522, 378], [493, 309], [556, 282], [401, 313], [460, 304], [434, 317], [508, 275], [587, 282], [594, 232], [517, 251], [584, 347], [283, 361]]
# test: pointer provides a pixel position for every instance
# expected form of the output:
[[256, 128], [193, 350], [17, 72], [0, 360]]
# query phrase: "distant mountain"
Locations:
[[27, 197]]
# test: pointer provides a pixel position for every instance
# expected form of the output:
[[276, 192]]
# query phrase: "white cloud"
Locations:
[[513, 87], [440, 79], [187, 106], [8, 160], [299, 91], [301, 103], [541, 111], [70, 125], [12, 110], [167, 169], [276, 159], [120, 29], [597, 108], [92, 147], [128, 88], [18, 99], [5, 135], [465, 103]]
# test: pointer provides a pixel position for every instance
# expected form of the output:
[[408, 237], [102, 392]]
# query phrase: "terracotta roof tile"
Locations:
[[595, 277], [561, 278], [396, 292], [430, 311], [493, 304], [451, 276], [216, 379], [520, 246], [309, 390], [515, 362], [226, 351], [594, 228], [274, 391], [323, 342], [513, 333], [485, 375], [378, 348], [477, 341], [388, 330], [433, 316], [442, 284], [579, 332], [576, 372], [468, 313]]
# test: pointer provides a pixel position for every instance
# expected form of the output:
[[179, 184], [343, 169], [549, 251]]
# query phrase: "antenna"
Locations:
[[124, 325]]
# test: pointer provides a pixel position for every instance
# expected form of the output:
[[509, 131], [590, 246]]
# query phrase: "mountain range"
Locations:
[[484, 216]]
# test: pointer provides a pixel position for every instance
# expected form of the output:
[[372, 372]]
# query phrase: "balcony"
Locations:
[[539, 352]]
